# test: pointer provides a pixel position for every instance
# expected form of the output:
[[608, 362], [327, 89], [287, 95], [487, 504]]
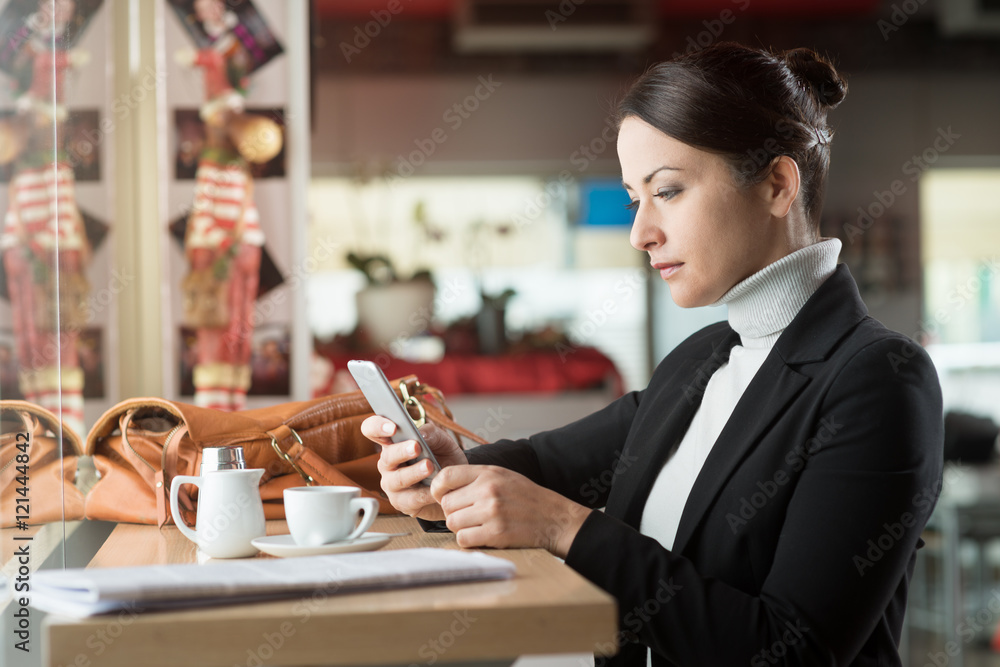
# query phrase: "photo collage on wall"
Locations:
[[42, 65], [229, 42]]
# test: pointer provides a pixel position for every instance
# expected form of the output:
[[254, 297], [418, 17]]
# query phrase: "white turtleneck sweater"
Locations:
[[760, 308]]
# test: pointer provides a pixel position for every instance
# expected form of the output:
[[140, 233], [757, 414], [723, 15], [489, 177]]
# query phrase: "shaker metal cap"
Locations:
[[222, 458]]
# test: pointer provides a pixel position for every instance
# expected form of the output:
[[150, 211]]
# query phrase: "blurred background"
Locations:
[[515, 184], [447, 202]]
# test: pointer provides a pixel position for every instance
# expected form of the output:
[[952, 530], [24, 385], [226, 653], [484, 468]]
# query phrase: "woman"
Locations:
[[764, 495]]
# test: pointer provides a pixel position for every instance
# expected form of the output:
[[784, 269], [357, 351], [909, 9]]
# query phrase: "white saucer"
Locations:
[[283, 546]]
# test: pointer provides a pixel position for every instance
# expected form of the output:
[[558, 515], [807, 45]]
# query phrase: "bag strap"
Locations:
[[45, 419], [169, 464], [119, 416], [111, 419], [145, 468], [445, 421], [411, 392], [158, 480]]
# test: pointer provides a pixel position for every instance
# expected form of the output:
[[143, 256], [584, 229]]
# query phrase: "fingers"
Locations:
[[394, 455], [401, 482], [475, 536], [437, 438], [479, 525], [407, 476], [395, 475], [412, 500], [452, 478], [490, 506], [378, 429], [468, 495], [432, 431], [403, 488]]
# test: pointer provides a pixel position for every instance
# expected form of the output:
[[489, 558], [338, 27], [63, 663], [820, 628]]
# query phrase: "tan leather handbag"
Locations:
[[141, 444], [38, 466]]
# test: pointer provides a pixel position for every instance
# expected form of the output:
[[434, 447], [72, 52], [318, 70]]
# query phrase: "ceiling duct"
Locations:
[[553, 25]]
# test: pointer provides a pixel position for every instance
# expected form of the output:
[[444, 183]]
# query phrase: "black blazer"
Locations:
[[799, 536]]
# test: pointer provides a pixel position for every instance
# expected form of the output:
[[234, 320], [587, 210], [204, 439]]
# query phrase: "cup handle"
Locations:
[[175, 486], [370, 508]]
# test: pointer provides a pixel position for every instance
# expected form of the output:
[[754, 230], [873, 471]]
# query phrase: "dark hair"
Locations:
[[748, 105]]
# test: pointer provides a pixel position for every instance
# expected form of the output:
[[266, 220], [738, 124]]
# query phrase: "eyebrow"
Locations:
[[649, 176]]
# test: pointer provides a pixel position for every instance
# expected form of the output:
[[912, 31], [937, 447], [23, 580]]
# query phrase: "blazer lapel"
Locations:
[[764, 400], [629, 492]]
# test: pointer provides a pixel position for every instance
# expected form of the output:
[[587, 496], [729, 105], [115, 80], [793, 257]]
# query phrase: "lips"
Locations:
[[667, 269]]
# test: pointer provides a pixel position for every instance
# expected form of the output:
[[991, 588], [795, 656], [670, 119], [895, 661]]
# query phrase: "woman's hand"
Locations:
[[400, 482], [489, 506]]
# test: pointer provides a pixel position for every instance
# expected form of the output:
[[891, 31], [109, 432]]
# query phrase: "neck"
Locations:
[[761, 306], [793, 235]]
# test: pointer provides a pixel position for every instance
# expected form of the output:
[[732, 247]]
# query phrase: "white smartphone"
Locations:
[[386, 403]]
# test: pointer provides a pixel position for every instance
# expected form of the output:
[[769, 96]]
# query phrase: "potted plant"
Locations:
[[390, 308]]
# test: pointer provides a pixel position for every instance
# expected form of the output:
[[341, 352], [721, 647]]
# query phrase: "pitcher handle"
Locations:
[[175, 486]]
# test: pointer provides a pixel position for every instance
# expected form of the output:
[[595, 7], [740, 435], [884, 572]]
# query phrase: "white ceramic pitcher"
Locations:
[[230, 512]]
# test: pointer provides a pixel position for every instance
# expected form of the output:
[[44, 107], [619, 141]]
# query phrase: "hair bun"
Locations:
[[826, 84]]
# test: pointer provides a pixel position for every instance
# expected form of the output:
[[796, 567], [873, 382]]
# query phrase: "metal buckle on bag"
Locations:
[[412, 401], [274, 443]]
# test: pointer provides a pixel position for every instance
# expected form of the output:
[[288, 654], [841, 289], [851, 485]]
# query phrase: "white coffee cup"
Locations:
[[320, 515]]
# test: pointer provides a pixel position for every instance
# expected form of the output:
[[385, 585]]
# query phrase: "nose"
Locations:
[[646, 233]]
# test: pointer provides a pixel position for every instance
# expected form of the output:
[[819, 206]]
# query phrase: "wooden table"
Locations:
[[545, 608]]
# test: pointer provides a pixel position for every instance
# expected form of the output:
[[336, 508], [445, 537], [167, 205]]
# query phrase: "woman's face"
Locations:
[[703, 232]]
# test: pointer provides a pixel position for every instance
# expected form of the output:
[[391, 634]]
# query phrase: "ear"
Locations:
[[782, 185]]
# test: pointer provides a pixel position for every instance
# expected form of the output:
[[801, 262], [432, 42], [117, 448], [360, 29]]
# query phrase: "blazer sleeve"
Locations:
[[850, 530], [576, 460]]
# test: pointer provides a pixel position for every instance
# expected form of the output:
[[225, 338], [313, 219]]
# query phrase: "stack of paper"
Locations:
[[85, 592]]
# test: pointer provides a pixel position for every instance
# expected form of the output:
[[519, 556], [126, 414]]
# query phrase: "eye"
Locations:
[[666, 195]]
